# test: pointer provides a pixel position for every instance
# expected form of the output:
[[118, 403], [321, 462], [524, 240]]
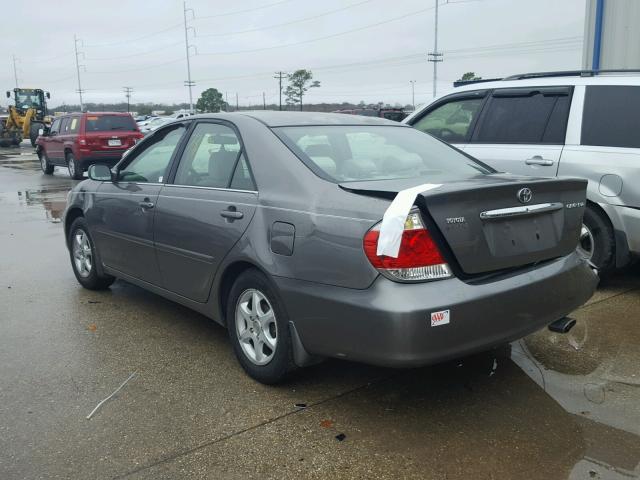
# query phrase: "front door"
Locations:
[[204, 211], [125, 209]]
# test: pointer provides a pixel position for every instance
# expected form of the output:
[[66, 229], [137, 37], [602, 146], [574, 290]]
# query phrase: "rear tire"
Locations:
[[75, 170], [46, 167], [597, 241], [84, 258], [261, 324]]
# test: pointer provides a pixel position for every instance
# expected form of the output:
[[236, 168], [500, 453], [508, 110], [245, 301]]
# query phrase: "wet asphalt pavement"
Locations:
[[548, 407]]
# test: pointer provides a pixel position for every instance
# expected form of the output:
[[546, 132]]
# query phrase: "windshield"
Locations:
[[28, 99], [371, 152], [102, 123]]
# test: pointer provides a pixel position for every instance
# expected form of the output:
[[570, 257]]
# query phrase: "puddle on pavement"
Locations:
[[593, 372], [52, 199]]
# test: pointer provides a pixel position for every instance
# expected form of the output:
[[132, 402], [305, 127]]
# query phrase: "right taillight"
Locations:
[[419, 258]]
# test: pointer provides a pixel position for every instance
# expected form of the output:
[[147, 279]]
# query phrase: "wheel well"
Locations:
[[67, 150], [69, 219], [229, 276], [597, 208]]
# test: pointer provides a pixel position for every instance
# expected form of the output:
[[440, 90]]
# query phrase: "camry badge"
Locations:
[[524, 195]]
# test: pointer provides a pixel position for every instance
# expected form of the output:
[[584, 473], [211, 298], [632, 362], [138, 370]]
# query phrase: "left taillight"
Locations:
[[419, 258]]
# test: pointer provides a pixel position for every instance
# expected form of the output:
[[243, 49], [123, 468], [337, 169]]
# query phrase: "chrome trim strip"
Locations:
[[210, 188], [520, 211]]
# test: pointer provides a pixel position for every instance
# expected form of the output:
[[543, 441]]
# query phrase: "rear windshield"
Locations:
[[371, 152], [102, 123]]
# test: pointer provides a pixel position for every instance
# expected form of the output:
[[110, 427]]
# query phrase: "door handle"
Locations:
[[146, 204], [232, 214], [538, 160]]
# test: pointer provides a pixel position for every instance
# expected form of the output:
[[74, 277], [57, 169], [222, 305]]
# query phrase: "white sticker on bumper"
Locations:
[[440, 318]]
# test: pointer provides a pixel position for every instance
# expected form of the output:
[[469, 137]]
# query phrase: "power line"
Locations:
[[325, 37], [120, 57], [246, 10], [284, 24]]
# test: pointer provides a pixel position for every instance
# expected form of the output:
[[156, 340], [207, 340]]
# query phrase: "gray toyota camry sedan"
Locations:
[[314, 235]]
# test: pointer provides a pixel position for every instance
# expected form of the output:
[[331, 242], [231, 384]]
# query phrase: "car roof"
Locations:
[[280, 119], [602, 79]]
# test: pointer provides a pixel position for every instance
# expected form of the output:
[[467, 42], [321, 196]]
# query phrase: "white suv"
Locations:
[[573, 124]]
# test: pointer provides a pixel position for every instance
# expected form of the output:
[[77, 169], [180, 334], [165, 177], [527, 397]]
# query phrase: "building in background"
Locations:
[[612, 35]]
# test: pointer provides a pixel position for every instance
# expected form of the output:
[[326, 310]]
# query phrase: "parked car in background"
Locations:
[[228, 215], [578, 124], [154, 123], [395, 114], [78, 140], [142, 118]]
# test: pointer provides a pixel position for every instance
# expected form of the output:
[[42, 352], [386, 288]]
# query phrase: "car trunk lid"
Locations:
[[488, 223]]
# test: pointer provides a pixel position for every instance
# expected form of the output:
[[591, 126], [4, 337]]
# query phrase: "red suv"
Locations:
[[78, 140]]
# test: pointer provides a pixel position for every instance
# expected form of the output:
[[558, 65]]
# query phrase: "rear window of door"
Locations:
[[525, 116], [108, 123], [213, 158], [611, 116], [452, 121], [64, 126]]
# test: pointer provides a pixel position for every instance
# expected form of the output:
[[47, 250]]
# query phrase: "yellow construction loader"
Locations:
[[26, 117]]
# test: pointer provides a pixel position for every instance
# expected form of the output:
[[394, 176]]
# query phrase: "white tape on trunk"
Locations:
[[394, 218]]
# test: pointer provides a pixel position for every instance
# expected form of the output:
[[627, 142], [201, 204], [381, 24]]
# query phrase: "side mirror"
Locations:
[[48, 95], [8, 94], [41, 132], [100, 173]]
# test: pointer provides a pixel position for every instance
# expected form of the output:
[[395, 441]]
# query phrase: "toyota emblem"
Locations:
[[524, 195]]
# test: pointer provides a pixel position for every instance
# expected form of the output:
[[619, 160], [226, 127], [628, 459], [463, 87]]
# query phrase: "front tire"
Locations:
[[258, 327], [75, 170], [46, 167], [597, 242], [83, 255]]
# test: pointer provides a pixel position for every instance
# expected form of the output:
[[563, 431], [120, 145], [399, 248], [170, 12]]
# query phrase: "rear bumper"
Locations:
[[389, 323]]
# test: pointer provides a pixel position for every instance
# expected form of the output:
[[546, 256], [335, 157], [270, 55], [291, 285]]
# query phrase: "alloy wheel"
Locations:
[[82, 254], [256, 326], [72, 167], [586, 242]]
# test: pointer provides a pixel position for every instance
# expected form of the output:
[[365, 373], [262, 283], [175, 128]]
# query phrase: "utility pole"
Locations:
[[188, 83], [15, 70], [435, 56], [226, 101], [80, 91], [279, 76], [237, 107], [413, 94], [127, 93], [264, 101]]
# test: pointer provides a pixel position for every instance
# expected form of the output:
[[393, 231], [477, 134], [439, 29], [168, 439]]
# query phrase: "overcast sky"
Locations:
[[359, 49]]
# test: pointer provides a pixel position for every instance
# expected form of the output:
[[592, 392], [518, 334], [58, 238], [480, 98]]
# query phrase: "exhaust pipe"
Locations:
[[563, 325]]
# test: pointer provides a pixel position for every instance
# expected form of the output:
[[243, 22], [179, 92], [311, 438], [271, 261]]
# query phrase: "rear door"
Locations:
[[204, 210], [122, 216], [522, 130], [452, 118]]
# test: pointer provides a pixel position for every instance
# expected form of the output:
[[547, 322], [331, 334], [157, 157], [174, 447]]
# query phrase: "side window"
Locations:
[[241, 179], [74, 125], [210, 157], [150, 164], [451, 122], [64, 126], [55, 127], [525, 116], [611, 116]]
